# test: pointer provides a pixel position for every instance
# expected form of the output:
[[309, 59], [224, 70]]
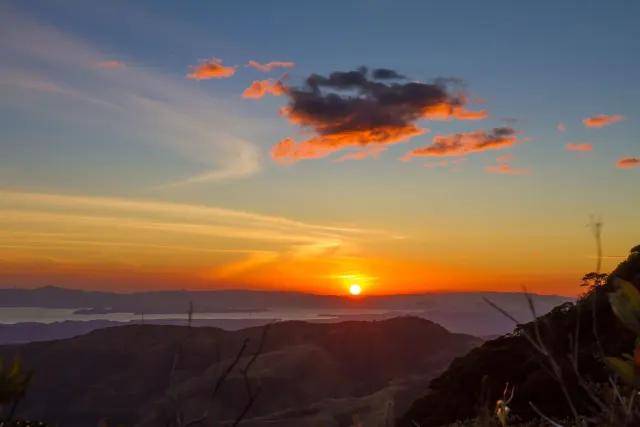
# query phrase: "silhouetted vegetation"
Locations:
[[14, 381], [575, 366]]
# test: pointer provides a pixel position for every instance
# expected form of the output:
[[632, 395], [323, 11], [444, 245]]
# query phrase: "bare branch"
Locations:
[[223, 377], [543, 416], [251, 393]]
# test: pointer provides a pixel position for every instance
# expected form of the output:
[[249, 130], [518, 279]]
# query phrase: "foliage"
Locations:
[[594, 280], [625, 303], [14, 381]]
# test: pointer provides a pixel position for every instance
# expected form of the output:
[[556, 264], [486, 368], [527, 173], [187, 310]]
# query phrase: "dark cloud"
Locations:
[[386, 74], [350, 108]]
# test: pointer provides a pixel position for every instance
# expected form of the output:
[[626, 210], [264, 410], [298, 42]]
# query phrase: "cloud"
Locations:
[[628, 163], [110, 64], [579, 146], [373, 151], [451, 164], [108, 230], [136, 103], [270, 65], [464, 143], [503, 167], [506, 169], [352, 109], [602, 120], [211, 69], [260, 88], [561, 127], [386, 74]]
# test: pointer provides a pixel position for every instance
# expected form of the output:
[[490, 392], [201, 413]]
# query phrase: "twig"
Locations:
[[223, 377], [251, 394], [543, 416]]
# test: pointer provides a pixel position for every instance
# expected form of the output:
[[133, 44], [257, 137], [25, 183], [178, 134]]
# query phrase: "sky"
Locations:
[[410, 146]]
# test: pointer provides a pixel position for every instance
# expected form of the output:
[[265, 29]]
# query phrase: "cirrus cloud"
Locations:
[[464, 143], [602, 120], [110, 64], [579, 146], [361, 109], [504, 167], [628, 163], [373, 151], [266, 67], [211, 69]]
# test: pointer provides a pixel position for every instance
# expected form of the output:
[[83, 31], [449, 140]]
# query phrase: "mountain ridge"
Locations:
[[123, 372]]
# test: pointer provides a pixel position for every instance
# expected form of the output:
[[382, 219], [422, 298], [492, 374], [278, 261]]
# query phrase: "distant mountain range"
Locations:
[[309, 374], [464, 312]]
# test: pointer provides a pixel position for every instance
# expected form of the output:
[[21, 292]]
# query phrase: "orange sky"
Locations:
[[131, 244]]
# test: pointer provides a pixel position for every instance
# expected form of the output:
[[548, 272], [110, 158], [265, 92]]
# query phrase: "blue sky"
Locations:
[[147, 132]]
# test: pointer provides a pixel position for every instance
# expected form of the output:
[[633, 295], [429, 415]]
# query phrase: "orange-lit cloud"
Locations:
[[602, 120], [110, 64], [51, 236], [464, 143], [506, 169], [266, 67], [260, 88], [211, 69], [503, 167], [373, 151], [290, 151], [628, 163], [362, 108], [579, 146]]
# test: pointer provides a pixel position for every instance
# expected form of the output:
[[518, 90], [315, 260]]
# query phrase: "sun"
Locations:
[[355, 289]]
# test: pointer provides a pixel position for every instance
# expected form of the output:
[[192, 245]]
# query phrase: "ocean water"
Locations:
[[10, 315]]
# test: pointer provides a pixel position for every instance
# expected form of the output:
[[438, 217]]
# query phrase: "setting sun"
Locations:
[[355, 289]]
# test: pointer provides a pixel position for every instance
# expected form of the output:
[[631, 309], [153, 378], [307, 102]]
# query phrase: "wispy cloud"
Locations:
[[503, 166], [579, 146], [110, 64], [464, 143], [561, 127], [361, 109], [211, 69], [135, 102], [602, 120], [68, 227], [452, 164], [269, 66], [628, 163], [373, 151]]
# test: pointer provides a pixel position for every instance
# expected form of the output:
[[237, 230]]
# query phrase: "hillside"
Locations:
[[476, 380], [308, 373]]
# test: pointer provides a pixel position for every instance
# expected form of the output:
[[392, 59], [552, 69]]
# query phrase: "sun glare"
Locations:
[[355, 289]]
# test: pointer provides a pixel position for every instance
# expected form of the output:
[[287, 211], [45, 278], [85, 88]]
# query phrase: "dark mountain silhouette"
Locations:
[[24, 332], [478, 379], [309, 373]]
